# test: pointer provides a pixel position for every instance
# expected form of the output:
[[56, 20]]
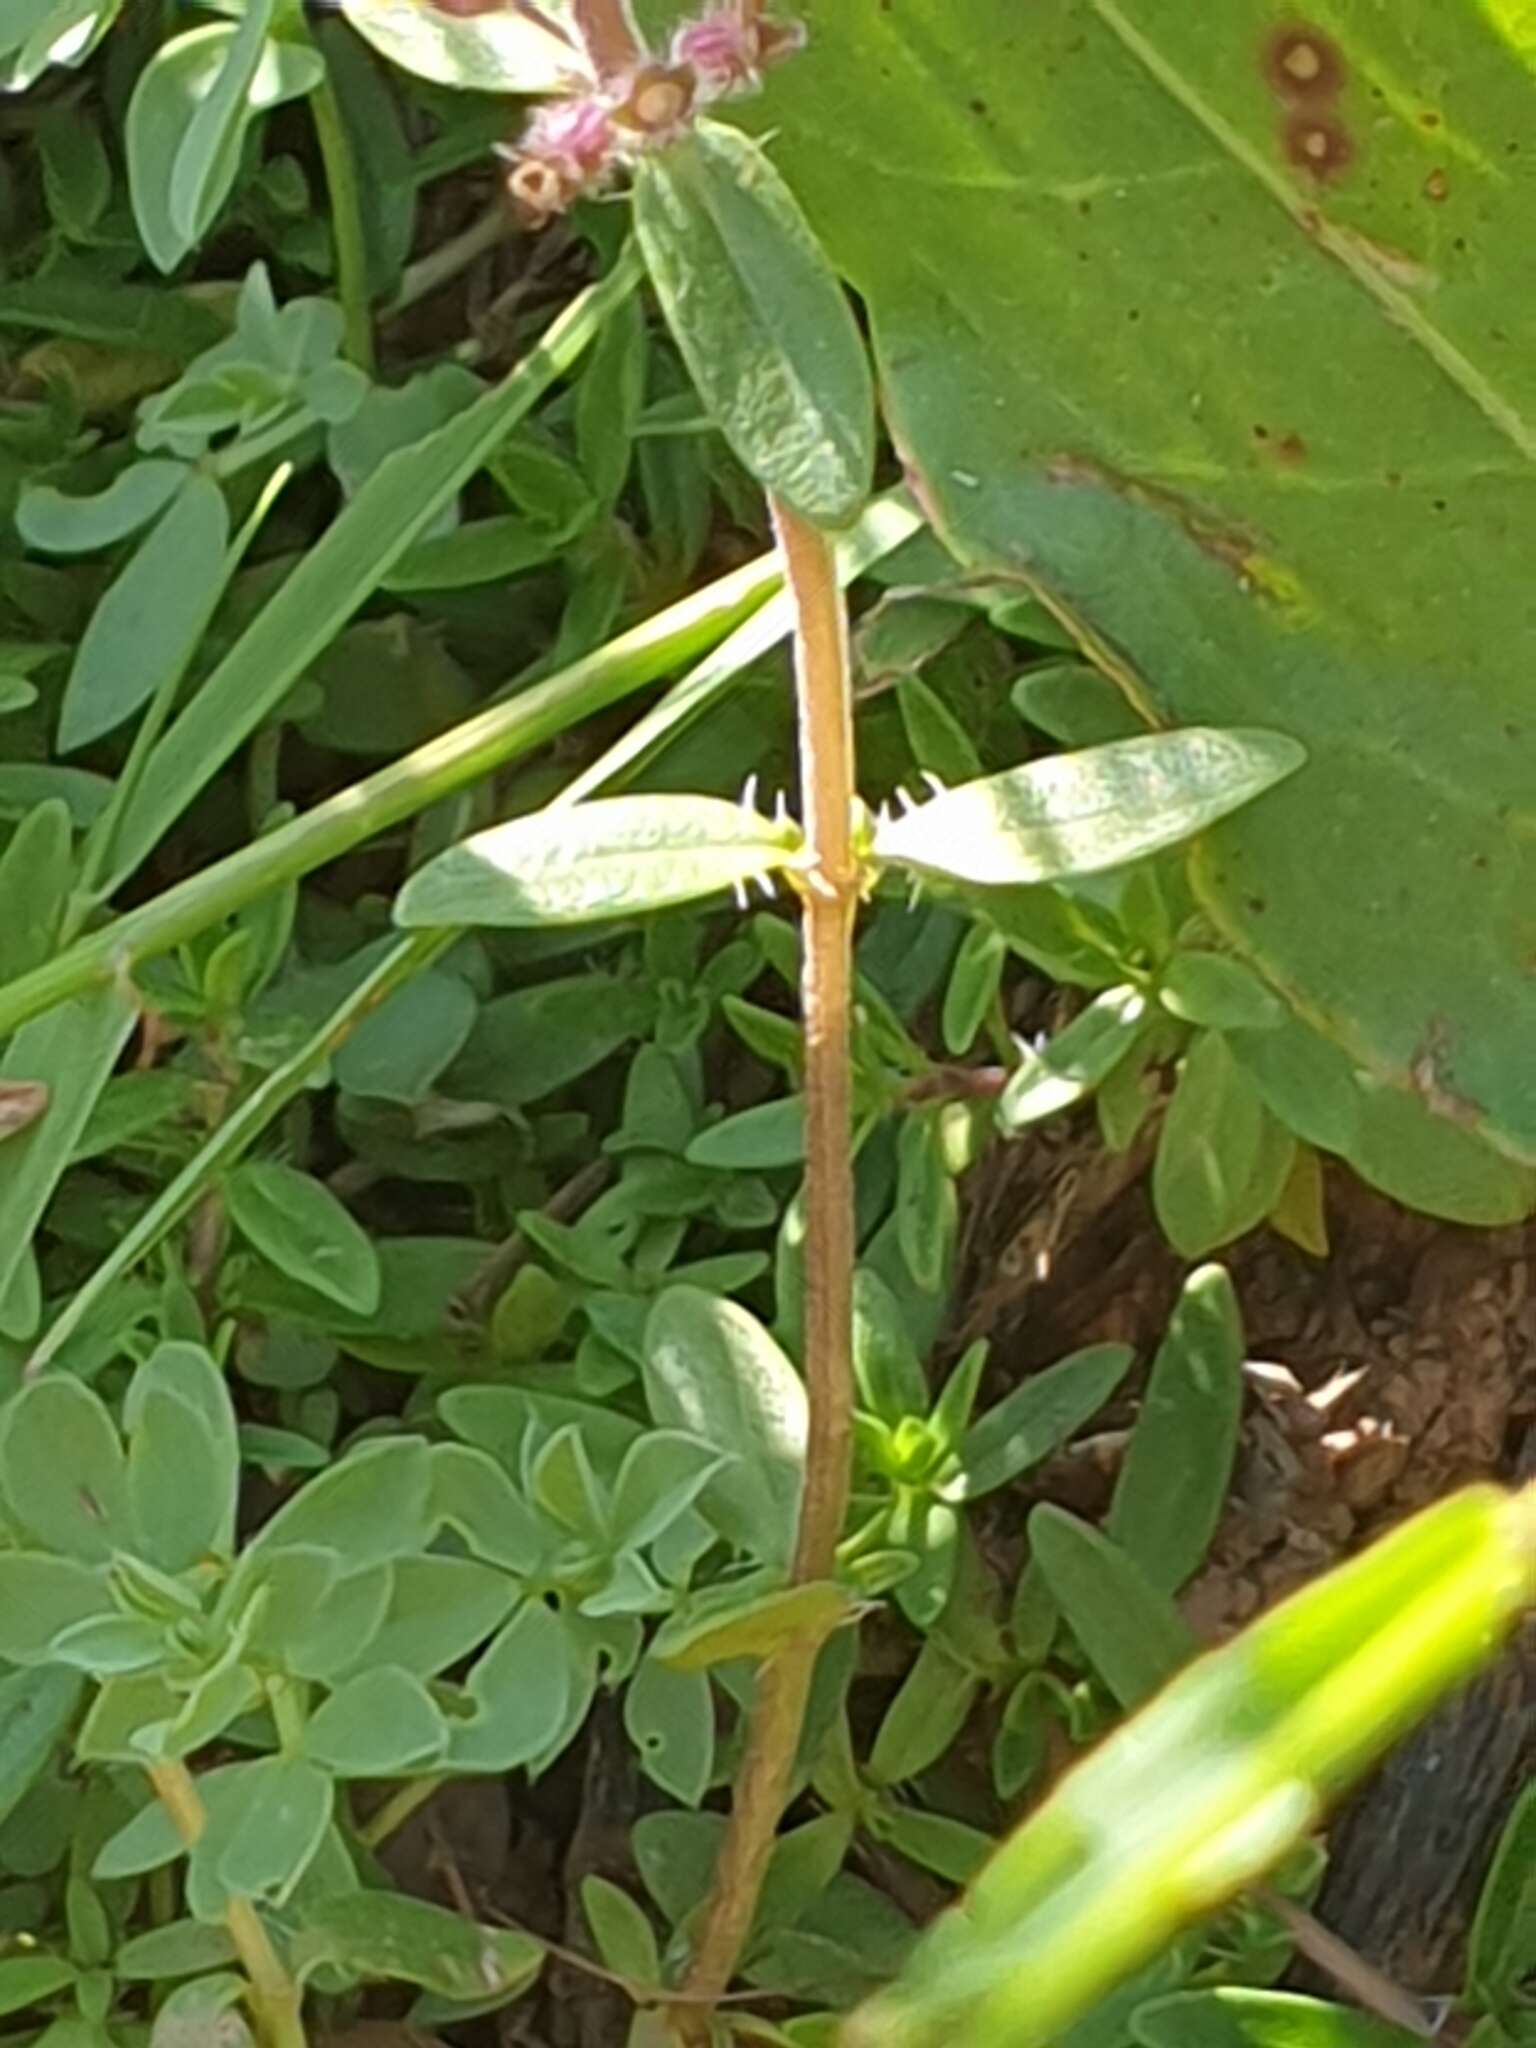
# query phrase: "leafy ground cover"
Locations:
[[416, 1192]]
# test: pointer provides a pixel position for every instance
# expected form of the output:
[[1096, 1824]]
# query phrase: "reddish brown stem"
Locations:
[[829, 888], [609, 36]]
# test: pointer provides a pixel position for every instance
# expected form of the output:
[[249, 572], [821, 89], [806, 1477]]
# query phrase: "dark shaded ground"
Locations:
[[1388, 1374]]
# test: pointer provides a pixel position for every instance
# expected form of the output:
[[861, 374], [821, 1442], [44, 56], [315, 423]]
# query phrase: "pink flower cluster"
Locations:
[[572, 147]]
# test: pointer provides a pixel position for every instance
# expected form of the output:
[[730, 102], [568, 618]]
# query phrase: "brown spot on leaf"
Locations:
[[21, 1104], [1437, 186], [1303, 65], [1318, 145], [1431, 1079]]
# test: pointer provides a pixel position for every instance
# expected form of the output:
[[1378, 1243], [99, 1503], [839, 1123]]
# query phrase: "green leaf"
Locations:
[[932, 1704], [373, 1934], [528, 1044], [621, 1933], [760, 320], [1173, 1480], [525, 1694], [1222, 1159], [475, 1497], [712, 1370], [373, 1504], [974, 983], [1037, 1418], [381, 1724], [146, 629], [295, 1221], [1232, 2016], [926, 1205], [498, 1420], [582, 863], [28, 1980], [675, 1854], [62, 1472], [187, 120], [609, 400], [183, 1458], [1223, 994], [1356, 255], [756, 1140], [669, 1715], [1502, 1952], [949, 1848], [804, 1862], [182, 1948], [58, 525], [36, 874], [71, 1052], [663, 1474], [1078, 814], [150, 1839], [1130, 1631], [1079, 1059], [886, 1367], [36, 1710], [397, 1053], [507, 50], [1075, 705], [260, 1844], [940, 744], [440, 1608], [202, 2014], [738, 1618]]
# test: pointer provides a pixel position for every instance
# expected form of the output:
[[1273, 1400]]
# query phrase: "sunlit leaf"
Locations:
[[1077, 814], [515, 48], [606, 859]]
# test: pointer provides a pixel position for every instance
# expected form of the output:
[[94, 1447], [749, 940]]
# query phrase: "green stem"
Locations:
[[398, 1808], [284, 1697], [236, 1134], [275, 1999], [461, 756], [346, 220]]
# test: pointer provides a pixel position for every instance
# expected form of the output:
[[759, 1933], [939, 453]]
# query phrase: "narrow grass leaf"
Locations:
[[71, 1052]]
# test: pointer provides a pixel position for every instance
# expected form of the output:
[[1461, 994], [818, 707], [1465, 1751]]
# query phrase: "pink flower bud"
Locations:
[[575, 136], [729, 53]]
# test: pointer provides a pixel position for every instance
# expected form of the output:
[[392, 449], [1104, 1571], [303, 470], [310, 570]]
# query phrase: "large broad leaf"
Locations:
[[1210, 324]]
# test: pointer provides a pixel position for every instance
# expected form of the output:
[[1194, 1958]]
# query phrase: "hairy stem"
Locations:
[[275, 1999], [830, 893]]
